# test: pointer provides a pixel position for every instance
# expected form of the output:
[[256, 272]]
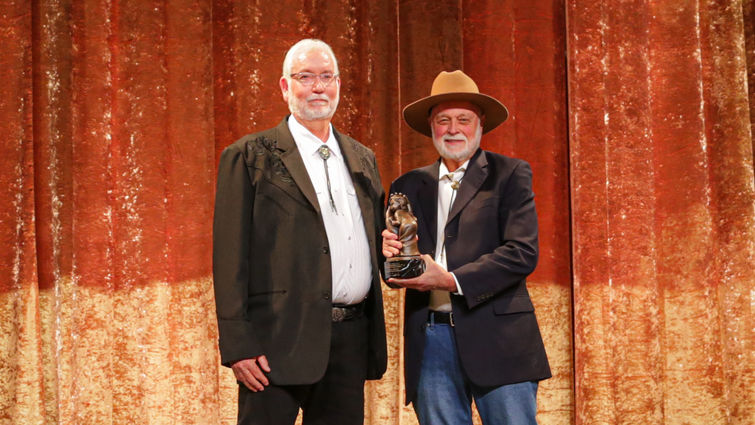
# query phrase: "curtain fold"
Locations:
[[662, 207]]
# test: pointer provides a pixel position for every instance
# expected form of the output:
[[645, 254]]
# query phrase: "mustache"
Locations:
[[317, 97], [458, 136]]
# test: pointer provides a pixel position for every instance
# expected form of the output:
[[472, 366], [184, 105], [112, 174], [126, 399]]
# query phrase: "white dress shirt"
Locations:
[[440, 300], [349, 249]]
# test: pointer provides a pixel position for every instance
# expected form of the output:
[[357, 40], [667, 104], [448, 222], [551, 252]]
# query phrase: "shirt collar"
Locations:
[[443, 170], [307, 142]]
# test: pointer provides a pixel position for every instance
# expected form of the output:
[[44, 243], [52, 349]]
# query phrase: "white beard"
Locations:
[[462, 155], [302, 109]]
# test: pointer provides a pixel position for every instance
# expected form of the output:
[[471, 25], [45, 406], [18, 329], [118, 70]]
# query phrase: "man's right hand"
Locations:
[[250, 372], [391, 244]]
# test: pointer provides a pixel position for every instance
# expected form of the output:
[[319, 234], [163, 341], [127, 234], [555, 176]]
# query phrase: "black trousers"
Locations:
[[336, 399]]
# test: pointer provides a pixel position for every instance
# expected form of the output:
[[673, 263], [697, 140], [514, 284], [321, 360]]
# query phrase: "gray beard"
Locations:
[[308, 114], [460, 156]]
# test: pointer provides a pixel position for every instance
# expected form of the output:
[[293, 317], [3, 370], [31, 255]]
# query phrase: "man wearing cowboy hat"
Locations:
[[470, 327]]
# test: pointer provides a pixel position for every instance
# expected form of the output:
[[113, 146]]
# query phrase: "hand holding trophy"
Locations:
[[400, 221]]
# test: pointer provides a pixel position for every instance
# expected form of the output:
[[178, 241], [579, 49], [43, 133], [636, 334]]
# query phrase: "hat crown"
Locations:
[[453, 82], [454, 86]]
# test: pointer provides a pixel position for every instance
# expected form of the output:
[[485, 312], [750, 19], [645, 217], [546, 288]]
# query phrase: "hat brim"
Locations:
[[416, 114]]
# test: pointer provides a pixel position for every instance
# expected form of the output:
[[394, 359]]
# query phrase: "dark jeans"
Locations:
[[337, 398]]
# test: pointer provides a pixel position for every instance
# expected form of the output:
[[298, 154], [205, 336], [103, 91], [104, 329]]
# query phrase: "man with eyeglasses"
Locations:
[[296, 238], [470, 326]]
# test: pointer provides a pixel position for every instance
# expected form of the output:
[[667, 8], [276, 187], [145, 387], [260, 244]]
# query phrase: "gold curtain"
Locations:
[[113, 114]]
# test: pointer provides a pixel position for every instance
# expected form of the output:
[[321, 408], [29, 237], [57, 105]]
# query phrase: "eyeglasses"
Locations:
[[464, 120], [308, 79]]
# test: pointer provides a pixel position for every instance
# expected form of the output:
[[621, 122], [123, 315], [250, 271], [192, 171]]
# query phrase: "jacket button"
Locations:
[[325, 250], [326, 295]]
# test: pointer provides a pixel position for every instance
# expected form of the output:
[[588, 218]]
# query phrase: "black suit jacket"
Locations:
[[271, 259], [491, 247]]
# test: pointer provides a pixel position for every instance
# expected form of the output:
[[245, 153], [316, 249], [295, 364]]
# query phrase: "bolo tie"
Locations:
[[324, 152], [455, 188]]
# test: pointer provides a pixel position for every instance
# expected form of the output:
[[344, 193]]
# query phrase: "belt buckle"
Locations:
[[337, 314], [434, 315]]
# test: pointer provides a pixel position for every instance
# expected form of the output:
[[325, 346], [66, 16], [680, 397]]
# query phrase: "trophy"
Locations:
[[400, 221]]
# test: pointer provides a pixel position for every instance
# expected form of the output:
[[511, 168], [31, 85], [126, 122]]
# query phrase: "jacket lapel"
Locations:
[[360, 178], [428, 202], [470, 184], [364, 185], [353, 160], [291, 158]]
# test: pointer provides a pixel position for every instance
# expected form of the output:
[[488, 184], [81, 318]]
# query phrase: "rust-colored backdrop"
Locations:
[[637, 117]]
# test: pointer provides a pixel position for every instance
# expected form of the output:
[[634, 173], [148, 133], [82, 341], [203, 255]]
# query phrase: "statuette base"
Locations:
[[404, 267]]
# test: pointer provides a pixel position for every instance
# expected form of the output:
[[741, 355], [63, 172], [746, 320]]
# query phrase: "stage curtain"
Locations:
[[663, 218], [107, 309], [636, 116]]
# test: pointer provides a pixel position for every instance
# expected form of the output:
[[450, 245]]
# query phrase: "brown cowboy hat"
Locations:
[[450, 86]]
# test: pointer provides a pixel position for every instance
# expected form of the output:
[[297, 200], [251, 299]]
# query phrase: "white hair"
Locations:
[[306, 45]]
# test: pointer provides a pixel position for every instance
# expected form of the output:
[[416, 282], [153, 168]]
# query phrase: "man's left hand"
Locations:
[[435, 277]]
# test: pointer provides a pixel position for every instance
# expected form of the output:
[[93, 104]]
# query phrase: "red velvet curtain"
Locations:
[[113, 114], [663, 214]]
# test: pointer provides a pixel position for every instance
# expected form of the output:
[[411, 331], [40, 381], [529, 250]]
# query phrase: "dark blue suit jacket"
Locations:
[[491, 246]]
